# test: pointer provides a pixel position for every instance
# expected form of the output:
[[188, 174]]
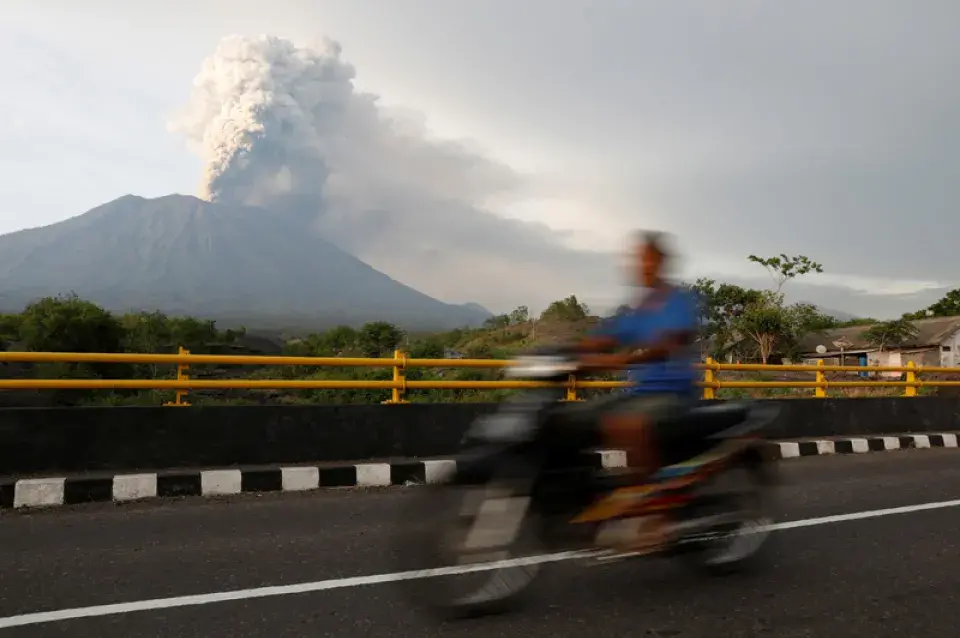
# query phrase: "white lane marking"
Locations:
[[377, 579], [278, 590], [858, 516]]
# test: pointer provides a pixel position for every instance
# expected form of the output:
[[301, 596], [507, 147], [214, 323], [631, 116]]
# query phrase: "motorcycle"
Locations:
[[528, 490]]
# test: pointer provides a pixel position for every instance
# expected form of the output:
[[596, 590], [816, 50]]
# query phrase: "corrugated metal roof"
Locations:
[[930, 332]]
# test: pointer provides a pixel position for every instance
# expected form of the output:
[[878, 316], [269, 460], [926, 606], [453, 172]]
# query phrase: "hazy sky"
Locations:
[[824, 128]]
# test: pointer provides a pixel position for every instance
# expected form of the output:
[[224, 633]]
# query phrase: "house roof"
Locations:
[[258, 343], [930, 332]]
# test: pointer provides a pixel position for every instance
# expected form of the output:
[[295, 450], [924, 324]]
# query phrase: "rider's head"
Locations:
[[651, 256]]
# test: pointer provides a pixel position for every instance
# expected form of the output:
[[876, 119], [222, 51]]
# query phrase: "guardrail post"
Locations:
[[709, 378], [182, 375], [911, 390], [399, 376], [821, 390], [572, 389]]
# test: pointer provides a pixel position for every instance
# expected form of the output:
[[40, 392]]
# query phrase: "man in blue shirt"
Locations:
[[653, 339]]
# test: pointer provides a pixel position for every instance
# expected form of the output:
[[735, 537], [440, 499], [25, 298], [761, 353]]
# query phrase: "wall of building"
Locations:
[[948, 351], [928, 357]]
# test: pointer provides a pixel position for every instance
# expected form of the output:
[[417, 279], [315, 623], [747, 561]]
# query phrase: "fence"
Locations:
[[399, 384]]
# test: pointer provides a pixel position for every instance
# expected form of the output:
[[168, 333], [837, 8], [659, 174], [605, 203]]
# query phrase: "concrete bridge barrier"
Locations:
[[42, 441]]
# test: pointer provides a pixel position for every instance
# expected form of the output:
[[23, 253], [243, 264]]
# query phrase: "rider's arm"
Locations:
[[669, 342], [680, 320], [607, 337]]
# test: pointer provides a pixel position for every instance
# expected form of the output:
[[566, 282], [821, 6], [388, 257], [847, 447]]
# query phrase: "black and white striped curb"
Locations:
[[120, 488], [860, 445]]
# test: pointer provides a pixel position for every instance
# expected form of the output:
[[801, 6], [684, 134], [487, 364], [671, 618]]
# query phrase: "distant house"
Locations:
[[935, 344], [258, 345], [735, 350]]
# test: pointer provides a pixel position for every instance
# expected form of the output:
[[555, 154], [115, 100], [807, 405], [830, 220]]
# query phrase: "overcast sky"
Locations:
[[824, 128]]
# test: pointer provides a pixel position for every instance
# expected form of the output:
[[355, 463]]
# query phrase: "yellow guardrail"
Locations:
[[400, 363]]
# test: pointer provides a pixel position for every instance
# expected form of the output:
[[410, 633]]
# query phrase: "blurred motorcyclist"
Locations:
[[653, 338]]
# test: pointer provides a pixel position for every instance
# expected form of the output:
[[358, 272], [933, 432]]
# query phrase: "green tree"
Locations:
[[146, 332], [521, 314], [569, 309], [890, 333], [480, 350], [9, 327], [497, 322], [378, 338], [783, 268], [806, 318], [196, 335], [766, 323], [70, 324], [719, 308], [801, 320], [335, 342], [946, 306], [428, 348]]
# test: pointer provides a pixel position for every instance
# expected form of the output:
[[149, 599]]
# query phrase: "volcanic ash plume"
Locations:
[[272, 120], [258, 114], [282, 127]]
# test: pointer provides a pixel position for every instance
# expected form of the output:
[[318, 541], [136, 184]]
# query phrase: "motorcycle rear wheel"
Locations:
[[740, 542]]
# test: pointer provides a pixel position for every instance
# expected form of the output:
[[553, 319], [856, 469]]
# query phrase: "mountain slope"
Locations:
[[185, 255]]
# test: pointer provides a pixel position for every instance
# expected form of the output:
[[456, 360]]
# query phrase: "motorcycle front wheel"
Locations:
[[476, 549]]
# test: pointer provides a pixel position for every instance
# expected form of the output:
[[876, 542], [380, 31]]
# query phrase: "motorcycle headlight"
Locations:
[[540, 367]]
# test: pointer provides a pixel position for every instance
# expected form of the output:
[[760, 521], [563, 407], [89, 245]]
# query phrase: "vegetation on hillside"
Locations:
[[736, 322]]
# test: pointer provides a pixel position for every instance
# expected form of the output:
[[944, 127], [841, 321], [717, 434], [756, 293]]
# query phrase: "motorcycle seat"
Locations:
[[699, 429], [711, 419]]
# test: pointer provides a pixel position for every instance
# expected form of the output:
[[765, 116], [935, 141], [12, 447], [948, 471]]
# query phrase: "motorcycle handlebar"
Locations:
[[563, 350]]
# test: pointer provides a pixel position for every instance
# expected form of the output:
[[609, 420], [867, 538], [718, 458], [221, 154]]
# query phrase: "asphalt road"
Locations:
[[889, 575]]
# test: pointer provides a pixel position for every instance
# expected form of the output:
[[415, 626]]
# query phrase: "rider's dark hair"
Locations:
[[655, 240]]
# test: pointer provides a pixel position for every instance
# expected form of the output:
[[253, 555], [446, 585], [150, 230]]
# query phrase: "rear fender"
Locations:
[[759, 416]]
